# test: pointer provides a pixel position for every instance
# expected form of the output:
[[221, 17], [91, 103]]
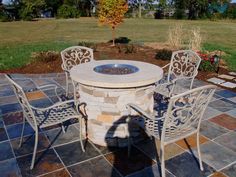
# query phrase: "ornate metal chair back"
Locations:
[[185, 112], [22, 98], [76, 55], [184, 63]]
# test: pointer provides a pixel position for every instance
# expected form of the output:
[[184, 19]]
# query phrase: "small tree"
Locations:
[[111, 12]]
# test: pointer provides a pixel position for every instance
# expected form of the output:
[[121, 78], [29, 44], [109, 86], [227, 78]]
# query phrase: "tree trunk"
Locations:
[[140, 9], [113, 36]]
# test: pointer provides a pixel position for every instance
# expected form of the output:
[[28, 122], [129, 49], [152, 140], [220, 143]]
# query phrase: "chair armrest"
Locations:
[[142, 112], [78, 105], [58, 104], [166, 66]]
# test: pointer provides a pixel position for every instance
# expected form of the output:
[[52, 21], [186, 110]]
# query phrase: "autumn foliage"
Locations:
[[111, 12]]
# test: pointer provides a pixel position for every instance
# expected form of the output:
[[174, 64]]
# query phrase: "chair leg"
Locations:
[[199, 153], [22, 131], [63, 128], [35, 150], [80, 134], [67, 84], [162, 161]]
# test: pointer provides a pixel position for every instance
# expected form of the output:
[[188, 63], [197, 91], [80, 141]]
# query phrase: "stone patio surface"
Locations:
[[60, 154]]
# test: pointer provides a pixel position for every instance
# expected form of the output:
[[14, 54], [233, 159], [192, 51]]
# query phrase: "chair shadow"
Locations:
[[122, 162]]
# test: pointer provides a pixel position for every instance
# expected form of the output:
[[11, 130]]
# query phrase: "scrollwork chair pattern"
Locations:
[[74, 56], [180, 120], [44, 117], [183, 68]]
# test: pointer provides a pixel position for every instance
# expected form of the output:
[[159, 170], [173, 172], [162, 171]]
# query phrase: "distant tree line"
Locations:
[[196, 9], [178, 9], [30, 9]]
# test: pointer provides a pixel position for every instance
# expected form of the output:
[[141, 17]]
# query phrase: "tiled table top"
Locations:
[[60, 154]]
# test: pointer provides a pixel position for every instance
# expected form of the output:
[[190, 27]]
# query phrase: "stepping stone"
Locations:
[[224, 76], [232, 73], [228, 85], [216, 80]]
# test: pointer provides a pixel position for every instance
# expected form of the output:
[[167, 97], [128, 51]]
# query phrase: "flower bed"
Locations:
[[210, 61]]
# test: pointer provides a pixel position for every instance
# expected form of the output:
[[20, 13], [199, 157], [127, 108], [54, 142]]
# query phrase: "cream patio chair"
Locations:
[[180, 120], [44, 117], [183, 68], [74, 56]]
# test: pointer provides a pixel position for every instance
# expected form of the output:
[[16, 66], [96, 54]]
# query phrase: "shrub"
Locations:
[[26, 14], [130, 48], [4, 17], [66, 11], [48, 56], [88, 44], [121, 40], [180, 14], [163, 54]]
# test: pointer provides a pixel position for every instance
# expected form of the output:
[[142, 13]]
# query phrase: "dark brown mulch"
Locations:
[[105, 51]]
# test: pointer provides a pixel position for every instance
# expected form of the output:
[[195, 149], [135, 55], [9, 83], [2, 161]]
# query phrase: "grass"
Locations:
[[19, 39]]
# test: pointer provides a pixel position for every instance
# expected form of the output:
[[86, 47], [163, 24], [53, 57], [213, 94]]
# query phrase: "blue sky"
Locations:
[[6, 1]]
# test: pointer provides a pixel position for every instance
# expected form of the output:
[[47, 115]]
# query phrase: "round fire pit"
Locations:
[[107, 86], [116, 69]]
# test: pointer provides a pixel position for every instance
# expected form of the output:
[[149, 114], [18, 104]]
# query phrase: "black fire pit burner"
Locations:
[[116, 69]]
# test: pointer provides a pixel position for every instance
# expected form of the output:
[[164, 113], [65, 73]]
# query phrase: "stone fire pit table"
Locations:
[[107, 86]]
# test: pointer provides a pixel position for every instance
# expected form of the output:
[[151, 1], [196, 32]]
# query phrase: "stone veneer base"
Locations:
[[106, 111]]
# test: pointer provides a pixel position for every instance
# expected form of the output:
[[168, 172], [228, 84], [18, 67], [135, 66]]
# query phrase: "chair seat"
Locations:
[[55, 116], [179, 87]]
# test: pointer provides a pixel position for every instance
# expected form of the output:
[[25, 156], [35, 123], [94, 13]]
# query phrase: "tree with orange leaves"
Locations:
[[111, 12]]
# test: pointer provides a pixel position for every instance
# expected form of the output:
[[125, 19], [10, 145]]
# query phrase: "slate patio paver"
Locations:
[[228, 140], [94, 167], [211, 130], [13, 118], [216, 155], [210, 113], [225, 121], [230, 170], [9, 168], [58, 173], [127, 165], [226, 93], [3, 134], [28, 145], [46, 161], [191, 142], [14, 131], [64, 157], [72, 153], [185, 165], [222, 105], [57, 137], [5, 151]]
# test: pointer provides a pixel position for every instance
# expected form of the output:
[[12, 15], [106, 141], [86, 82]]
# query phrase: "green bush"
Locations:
[[26, 14], [206, 66], [88, 44], [46, 57], [3, 16], [180, 14], [163, 54], [66, 11]]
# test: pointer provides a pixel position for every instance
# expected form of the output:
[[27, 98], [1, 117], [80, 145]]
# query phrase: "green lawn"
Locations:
[[19, 39]]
